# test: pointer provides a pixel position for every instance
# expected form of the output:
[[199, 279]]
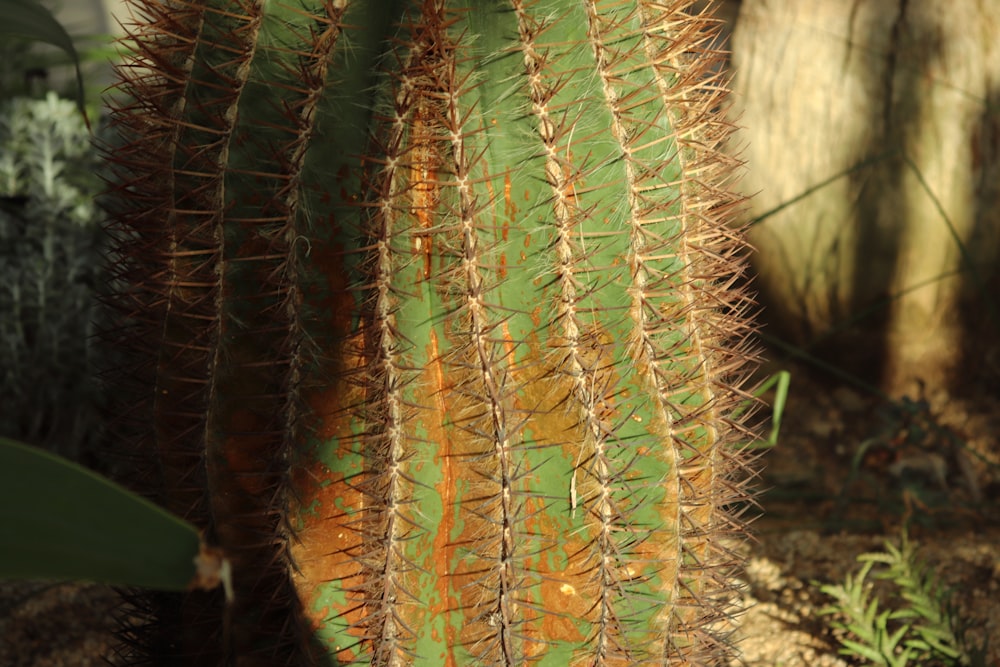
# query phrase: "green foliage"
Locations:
[[920, 628], [780, 383], [48, 159], [50, 242]]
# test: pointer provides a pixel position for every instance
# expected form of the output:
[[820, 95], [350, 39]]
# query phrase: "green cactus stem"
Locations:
[[437, 330]]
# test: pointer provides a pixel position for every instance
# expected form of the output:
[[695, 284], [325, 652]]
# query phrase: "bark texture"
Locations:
[[870, 130]]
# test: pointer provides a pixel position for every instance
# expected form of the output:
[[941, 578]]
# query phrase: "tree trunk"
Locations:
[[871, 137]]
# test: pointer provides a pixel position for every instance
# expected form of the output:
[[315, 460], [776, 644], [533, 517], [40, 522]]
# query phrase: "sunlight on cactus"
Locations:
[[437, 329]]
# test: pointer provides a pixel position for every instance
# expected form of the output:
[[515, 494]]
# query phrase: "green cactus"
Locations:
[[435, 329]]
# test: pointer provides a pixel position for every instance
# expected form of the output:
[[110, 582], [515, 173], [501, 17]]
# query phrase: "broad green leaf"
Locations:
[[62, 521]]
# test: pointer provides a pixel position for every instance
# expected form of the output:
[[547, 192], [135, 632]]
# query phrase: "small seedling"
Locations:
[[924, 630]]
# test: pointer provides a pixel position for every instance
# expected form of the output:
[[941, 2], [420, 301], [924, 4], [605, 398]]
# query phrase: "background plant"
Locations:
[[50, 242]]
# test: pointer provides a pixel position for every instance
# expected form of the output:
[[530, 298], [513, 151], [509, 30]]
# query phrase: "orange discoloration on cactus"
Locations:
[[509, 207], [332, 501], [446, 488], [568, 605]]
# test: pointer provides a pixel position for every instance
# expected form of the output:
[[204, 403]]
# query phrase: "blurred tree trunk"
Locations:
[[871, 137]]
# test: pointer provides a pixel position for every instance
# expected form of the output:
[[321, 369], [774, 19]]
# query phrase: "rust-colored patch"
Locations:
[[563, 593], [567, 603], [509, 208], [246, 450], [326, 548], [508, 340], [328, 537], [333, 301], [446, 487], [444, 549], [323, 402], [536, 317], [569, 182]]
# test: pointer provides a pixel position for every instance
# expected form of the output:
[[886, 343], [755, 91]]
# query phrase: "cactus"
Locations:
[[436, 328]]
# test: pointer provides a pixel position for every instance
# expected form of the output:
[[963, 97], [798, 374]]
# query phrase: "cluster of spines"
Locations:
[[583, 357], [714, 315], [489, 422], [430, 121], [140, 269], [707, 311], [707, 316], [424, 157], [388, 481]]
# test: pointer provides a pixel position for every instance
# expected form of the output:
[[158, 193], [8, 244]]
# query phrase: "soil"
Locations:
[[849, 471]]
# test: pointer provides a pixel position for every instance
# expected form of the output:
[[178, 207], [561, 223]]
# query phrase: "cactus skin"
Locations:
[[436, 330]]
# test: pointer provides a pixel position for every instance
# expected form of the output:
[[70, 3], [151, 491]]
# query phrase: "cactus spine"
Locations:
[[440, 334]]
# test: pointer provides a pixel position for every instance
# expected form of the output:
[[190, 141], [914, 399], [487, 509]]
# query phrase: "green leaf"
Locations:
[[29, 19], [784, 378], [939, 640], [62, 521], [885, 559], [890, 641], [780, 381], [863, 651]]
